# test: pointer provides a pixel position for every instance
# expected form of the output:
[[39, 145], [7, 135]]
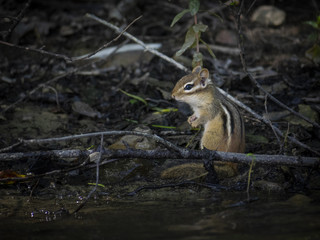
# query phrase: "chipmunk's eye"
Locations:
[[188, 86]]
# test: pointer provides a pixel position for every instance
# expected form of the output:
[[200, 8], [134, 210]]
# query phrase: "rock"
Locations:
[[225, 169], [307, 111], [186, 171], [94, 157], [267, 186], [190, 171], [269, 16], [227, 37], [134, 141], [299, 200], [276, 88]]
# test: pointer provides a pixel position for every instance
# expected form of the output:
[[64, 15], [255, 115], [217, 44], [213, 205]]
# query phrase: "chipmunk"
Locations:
[[223, 124]]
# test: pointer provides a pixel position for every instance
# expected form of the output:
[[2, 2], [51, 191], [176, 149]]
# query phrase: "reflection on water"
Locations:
[[194, 218]]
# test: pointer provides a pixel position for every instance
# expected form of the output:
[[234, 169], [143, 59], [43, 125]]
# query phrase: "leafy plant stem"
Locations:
[[197, 34], [250, 172]]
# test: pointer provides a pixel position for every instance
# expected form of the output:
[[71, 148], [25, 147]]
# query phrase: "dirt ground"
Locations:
[[89, 99]]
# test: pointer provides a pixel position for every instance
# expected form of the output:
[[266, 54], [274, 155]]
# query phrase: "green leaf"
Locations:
[[312, 23], [131, 120], [164, 110], [199, 28], [91, 147], [217, 16], [314, 53], [197, 59], [179, 16], [99, 185], [208, 48], [194, 6], [134, 96], [251, 155], [160, 126], [313, 37], [234, 3], [133, 101], [318, 21], [189, 40]]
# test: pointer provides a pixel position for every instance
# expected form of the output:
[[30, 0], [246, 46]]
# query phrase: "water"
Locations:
[[213, 216]]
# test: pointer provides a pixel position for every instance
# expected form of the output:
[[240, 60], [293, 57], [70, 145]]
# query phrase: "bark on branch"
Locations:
[[167, 154], [172, 151]]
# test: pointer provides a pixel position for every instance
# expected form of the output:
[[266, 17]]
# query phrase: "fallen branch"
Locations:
[[156, 138], [173, 152]]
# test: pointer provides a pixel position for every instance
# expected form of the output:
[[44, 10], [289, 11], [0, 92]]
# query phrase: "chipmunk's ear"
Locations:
[[204, 75], [197, 69]]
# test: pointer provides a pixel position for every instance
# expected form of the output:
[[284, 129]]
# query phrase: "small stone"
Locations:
[[84, 109], [269, 16], [94, 157]]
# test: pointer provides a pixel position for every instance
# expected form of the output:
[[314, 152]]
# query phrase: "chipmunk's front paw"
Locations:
[[193, 121]]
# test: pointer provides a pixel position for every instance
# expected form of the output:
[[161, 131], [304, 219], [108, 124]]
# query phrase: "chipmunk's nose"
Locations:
[[173, 96]]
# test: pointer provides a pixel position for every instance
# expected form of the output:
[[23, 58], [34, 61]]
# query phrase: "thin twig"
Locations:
[[17, 19], [64, 57], [271, 125], [41, 51], [113, 40], [97, 179], [57, 95], [197, 34], [166, 143], [128, 35]]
